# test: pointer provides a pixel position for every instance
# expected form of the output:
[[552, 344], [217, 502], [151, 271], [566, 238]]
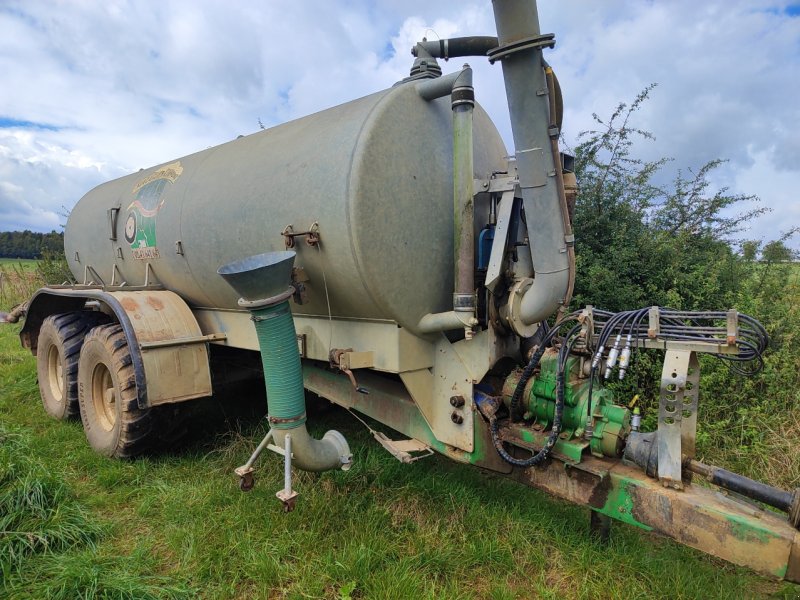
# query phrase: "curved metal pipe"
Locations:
[[458, 86], [523, 71], [447, 321], [431, 89], [310, 454]]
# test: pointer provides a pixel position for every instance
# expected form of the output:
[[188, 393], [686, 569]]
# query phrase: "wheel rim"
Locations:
[[104, 397], [55, 374]]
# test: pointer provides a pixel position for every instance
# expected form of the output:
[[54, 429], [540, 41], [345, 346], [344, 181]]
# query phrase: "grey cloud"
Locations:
[[137, 83]]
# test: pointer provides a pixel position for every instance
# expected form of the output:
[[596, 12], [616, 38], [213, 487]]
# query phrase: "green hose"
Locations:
[[283, 372]]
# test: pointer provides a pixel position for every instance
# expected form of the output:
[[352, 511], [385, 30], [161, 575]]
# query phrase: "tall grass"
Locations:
[[48, 539], [37, 513], [19, 279], [17, 284]]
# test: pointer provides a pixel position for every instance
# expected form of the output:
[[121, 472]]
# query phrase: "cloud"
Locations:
[[93, 91]]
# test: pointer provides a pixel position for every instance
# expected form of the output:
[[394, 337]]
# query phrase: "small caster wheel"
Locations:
[[246, 482]]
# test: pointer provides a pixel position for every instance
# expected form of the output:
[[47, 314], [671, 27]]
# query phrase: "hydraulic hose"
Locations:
[[558, 413], [556, 117]]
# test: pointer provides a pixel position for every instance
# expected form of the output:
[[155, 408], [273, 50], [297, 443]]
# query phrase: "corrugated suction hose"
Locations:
[[283, 372], [283, 376]]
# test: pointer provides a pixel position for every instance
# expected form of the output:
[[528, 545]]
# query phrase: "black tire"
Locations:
[[57, 352], [107, 394]]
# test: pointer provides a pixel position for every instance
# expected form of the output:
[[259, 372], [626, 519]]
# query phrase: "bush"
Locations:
[[640, 244]]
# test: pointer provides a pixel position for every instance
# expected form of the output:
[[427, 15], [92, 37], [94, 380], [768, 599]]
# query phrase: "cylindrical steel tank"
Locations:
[[375, 174]]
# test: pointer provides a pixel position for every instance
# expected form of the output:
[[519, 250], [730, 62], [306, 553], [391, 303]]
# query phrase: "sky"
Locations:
[[92, 90]]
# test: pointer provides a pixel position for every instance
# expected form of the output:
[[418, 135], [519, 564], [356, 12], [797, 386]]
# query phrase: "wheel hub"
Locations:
[[55, 374], [104, 397]]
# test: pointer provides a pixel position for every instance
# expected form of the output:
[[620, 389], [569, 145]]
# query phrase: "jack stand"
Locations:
[[287, 495], [245, 472]]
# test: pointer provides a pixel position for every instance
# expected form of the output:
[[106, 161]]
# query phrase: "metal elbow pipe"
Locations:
[[447, 321], [309, 454], [431, 89], [544, 297]]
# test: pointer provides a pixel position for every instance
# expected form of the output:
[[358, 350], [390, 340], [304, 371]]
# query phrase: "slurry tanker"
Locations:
[[392, 256]]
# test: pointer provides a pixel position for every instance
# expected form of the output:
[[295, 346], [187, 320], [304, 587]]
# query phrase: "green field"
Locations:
[[24, 262], [76, 525]]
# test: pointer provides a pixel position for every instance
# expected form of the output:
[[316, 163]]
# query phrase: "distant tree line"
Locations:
[[30, 244]]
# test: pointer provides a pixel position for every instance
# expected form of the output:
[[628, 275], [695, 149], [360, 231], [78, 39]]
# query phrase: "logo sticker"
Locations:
[[140, 224]]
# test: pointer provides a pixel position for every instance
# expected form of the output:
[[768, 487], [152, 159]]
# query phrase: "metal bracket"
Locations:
[[184, 341], [504, 209], [346, 359], [402, 449], [92, 277], [545, 40], [677, 414], [148, 274], [114, 272], [586, 319], [312, 235]]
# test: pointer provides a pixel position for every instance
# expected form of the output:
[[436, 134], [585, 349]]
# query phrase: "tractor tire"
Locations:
[[57, 352], [108, 397]]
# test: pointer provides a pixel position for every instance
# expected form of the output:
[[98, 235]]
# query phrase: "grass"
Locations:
[[18, 280], [27, 263], [176, 525]]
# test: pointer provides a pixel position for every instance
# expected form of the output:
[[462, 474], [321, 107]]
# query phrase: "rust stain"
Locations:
[[154, 303], [129, 304]]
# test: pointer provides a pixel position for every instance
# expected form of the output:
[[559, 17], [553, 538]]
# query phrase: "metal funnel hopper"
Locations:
[[260, 277]]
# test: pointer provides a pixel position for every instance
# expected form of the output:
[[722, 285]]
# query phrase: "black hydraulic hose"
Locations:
[[476, 45], [555, 430], [605, 333], [777, 498], [681, 325], [516, 398]]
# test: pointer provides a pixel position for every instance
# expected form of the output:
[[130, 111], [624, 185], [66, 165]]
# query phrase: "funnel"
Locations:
[[260, 277]]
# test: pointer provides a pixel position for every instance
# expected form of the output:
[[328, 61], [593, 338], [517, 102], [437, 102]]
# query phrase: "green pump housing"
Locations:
[[612, 422]]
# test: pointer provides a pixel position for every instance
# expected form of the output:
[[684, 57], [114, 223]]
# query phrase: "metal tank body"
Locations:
[[375, 174]]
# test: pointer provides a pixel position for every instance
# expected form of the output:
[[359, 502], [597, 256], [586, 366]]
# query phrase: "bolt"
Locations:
[[457, 401], [456, 418]]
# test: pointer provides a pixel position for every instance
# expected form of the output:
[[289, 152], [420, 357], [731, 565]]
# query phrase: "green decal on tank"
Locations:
[[140, 224]]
